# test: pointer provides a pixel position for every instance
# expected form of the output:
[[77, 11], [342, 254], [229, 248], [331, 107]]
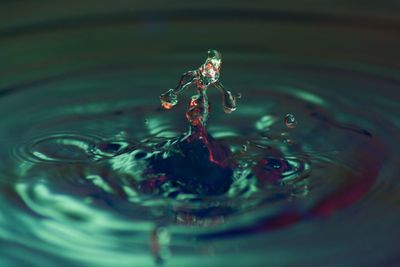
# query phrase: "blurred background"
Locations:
[[35, 34]]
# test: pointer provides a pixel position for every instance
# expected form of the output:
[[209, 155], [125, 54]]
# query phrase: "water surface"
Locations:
[[80, 115]]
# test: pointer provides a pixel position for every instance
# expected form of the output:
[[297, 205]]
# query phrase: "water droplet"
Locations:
[[290, 121], [159, 244]]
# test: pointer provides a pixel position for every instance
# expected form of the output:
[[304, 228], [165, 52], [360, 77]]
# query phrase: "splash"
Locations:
[[196, 160], [206, 75]]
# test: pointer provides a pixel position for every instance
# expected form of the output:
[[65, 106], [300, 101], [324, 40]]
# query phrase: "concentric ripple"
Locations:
[[282, 176], [59, 148]]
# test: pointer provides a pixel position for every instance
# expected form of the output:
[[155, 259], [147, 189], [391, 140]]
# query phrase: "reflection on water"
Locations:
[[312, 145]]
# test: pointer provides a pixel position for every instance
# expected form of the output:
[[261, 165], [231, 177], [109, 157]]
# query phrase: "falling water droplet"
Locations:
[[159, 244], [290, 121]]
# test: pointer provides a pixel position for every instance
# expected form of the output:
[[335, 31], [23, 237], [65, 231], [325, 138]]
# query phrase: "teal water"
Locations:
[[79, 98]]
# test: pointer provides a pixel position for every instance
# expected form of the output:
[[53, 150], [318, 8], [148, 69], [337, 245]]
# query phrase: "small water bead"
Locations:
[[290, 121], [244, 148]]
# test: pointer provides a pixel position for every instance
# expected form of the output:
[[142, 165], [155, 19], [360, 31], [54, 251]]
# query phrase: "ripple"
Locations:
[[60, 148]]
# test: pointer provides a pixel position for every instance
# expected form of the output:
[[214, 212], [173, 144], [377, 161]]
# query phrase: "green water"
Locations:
[[80, 86]]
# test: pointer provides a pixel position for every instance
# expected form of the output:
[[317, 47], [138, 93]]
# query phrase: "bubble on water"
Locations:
[[290, 121]]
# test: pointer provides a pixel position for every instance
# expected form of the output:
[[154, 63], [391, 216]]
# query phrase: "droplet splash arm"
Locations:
[[187, 79], [170, 98], [228, 100]]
